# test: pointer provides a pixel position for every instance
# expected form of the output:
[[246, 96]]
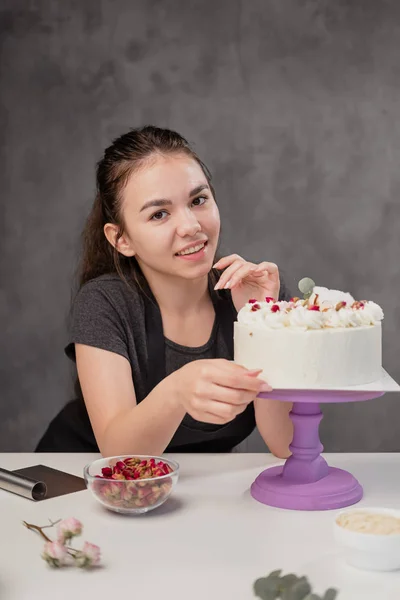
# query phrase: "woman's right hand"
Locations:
[[215, 390]]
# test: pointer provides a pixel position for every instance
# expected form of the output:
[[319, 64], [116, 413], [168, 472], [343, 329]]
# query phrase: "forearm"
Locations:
[[274, 425], [148, 427]]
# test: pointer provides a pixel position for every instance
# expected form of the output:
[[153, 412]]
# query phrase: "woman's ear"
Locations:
[[122, 244]]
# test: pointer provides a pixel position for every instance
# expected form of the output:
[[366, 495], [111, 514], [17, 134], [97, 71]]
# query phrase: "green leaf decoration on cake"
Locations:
[[288, 587], [306, 286]]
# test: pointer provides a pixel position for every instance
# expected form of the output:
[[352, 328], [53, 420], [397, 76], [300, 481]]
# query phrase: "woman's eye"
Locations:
[[158, 216], [199, 201]]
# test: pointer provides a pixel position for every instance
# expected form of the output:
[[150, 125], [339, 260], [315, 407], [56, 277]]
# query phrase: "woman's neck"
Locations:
[[177, 296]]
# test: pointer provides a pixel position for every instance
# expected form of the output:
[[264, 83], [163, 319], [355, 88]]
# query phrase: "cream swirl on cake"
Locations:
[[324, 309]]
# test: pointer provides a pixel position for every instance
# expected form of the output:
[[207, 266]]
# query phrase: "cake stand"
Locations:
[[306, 481]]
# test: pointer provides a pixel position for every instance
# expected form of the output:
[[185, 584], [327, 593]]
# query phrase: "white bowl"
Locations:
[[370, 551]]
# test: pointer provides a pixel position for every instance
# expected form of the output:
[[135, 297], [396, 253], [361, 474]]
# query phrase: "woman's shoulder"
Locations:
[[109, 289], [111, 281]]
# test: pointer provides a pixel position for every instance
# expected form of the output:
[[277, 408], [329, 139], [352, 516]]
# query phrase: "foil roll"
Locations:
[[21, 485]]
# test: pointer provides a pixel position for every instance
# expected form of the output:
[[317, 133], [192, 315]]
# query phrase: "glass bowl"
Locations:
[[131, 496]]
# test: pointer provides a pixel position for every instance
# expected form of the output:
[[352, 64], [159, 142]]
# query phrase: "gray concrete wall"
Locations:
[[294, 104]]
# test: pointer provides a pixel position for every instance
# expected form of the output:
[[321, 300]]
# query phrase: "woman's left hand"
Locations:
[[247, 280]]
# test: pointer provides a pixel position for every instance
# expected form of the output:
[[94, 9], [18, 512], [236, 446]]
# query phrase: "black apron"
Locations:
[[71, 430]]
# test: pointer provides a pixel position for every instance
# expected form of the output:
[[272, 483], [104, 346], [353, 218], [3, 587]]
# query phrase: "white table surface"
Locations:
[[211, 539]]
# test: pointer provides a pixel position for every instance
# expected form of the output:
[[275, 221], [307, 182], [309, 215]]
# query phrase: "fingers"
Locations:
[[220, 413], [240, 274], [271, 268], [232, 376], [226, 261], [237, 269], [231, 396], [232, 369], [224, 280]]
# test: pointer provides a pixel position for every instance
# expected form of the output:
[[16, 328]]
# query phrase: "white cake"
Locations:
[[329, 340]]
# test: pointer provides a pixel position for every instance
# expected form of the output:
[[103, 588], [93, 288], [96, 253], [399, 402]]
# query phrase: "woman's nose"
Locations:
[[188, 225]]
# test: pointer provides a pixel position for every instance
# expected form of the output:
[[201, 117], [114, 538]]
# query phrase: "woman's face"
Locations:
[[171, 219]]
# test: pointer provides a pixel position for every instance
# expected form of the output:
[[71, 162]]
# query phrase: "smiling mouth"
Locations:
[[192, 250]]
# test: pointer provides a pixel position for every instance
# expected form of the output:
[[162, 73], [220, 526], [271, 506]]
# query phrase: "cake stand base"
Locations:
[[306, 481], [337, 489]]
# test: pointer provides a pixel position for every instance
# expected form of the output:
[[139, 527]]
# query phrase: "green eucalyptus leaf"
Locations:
[[287, 581], [276, 573], [298, 591], [288, 587], [330, 594], [266, 588], [306, 286]]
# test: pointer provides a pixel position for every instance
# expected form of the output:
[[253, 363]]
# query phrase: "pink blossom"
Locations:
[[55, 554], [69, 528], [89, 556]]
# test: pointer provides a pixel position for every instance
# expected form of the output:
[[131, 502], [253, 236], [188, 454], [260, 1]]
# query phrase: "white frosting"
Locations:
[[345, 317], [303, 358], [374, 312], [276, 320], [300, 316], [330, 296]]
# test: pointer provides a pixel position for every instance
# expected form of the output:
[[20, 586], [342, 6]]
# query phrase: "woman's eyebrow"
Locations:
[[156, 203], [160, 202]]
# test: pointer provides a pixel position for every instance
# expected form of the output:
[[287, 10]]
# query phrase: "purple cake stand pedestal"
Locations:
[[306, 481]]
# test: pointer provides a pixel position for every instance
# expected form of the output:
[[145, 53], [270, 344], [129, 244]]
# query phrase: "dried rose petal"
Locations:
[[107, 471], [357, 305], [143, 492], [132, 462]]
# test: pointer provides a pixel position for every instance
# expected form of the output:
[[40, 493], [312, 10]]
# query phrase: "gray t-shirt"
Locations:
[[109, 314]]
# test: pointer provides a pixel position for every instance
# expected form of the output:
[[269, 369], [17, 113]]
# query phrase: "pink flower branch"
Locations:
[[56, 553]]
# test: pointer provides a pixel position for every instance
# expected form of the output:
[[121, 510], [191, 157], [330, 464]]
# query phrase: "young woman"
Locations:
[[152, 323]]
